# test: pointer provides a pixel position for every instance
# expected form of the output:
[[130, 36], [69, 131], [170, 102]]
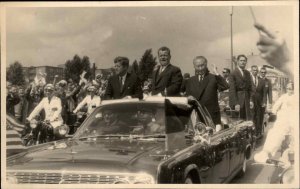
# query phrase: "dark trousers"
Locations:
[[258, 117], [216, 117]]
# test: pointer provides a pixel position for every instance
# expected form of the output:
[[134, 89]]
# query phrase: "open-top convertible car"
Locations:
[[157, 140]]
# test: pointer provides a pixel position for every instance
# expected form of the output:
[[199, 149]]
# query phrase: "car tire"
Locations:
[[243, 170], [188, 180]]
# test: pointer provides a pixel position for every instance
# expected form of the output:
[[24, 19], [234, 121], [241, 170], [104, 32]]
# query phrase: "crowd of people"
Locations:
[[248, 92]]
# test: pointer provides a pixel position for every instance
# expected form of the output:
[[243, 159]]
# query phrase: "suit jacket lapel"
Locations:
[[125, 83], [159, 76], [203, 84], [117, 84], [195, 86], [156, 74]]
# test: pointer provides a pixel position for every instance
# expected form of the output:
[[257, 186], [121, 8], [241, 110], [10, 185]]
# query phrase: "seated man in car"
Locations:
[[112, 123], [146, 117]]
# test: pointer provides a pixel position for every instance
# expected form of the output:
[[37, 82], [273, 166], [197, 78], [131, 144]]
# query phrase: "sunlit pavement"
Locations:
[[257, 173]]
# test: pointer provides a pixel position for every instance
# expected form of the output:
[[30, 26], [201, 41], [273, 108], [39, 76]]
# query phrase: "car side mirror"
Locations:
[[272, 117], [200, 128]]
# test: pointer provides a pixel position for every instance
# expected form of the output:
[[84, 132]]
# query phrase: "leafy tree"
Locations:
[[135, 67], [15, 74], [74, 67], [146, 65]]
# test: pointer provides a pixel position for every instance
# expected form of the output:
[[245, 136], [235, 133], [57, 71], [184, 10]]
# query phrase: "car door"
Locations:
[[219, 149], [234, 151]]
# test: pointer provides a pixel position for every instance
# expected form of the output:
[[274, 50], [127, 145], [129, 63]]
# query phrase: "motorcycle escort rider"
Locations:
[[52, 106], [91, 100]]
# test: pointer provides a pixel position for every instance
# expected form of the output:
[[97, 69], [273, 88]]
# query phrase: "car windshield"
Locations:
[[125, 119]]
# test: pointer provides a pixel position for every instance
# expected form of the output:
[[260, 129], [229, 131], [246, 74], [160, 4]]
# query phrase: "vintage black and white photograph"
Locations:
[[150, 94]]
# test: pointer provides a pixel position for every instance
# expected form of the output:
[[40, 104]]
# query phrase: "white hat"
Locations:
[[91, 88], [49, 86]]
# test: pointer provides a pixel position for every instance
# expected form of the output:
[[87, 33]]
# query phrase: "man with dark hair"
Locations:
[[205, 86], [241, 89], [258, 100], [167, 78], [226, 73], [12, 99], [268, 97], [186, 76], [21, 109], [123, 84]]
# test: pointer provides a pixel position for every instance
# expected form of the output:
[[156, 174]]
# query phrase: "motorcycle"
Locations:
[[285, 169], [76, 120], [43, 131], [284, 165]]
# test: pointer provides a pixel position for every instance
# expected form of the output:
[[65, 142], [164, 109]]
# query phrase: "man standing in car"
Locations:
[[167, 78], [241, 89], [205, 86], [123, 84]]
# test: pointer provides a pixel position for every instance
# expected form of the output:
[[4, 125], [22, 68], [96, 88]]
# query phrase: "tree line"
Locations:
[[75, 66]]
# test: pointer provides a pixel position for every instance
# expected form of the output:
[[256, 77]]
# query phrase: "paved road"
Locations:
[[258, 174]]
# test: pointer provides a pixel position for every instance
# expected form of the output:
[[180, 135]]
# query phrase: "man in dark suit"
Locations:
[[167, 78], [258, 100], [12, 99], [241, 89], [268, 97], [123, 84], [226, 73], [205, 86]]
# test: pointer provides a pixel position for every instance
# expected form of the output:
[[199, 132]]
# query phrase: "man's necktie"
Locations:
[[255, 82], [161, 70]]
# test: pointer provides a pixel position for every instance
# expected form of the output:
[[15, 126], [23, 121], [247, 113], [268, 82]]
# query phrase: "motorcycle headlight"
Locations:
[[33, 124], [63, 130]]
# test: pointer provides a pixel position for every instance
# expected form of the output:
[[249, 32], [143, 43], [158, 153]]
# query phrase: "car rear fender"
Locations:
[[191, 168]]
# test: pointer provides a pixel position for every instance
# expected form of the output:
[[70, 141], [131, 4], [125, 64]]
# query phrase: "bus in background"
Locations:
[[278, 80]]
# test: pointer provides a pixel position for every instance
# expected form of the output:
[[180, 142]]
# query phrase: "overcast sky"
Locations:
[[50, 36]]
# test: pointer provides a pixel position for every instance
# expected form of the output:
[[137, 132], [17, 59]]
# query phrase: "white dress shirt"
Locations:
[[241, 71], [253, 78], [52, 110], [91, 103], [123, 79]]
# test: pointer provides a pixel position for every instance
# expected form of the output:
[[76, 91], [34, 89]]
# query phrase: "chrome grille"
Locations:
[[64, 178]]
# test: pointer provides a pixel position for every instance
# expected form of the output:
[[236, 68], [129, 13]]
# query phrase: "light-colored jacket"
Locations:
[[52, 111], [91, 103]]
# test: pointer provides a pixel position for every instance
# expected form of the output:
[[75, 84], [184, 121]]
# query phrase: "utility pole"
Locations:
[[231, 38], [94, 71]]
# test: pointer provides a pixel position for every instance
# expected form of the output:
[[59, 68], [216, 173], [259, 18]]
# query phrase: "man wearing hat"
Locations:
[[91, 100], [52, 106], [123, 84]]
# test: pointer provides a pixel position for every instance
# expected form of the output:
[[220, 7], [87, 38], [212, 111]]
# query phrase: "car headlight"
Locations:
[[63, 130], [141, 178], [11, 179]]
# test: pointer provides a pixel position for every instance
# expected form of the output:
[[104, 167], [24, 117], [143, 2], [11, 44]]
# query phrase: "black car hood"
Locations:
[[93, 155]]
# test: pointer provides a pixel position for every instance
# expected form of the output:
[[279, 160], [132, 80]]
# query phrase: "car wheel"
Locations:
[[188, 180], [242, 172]]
